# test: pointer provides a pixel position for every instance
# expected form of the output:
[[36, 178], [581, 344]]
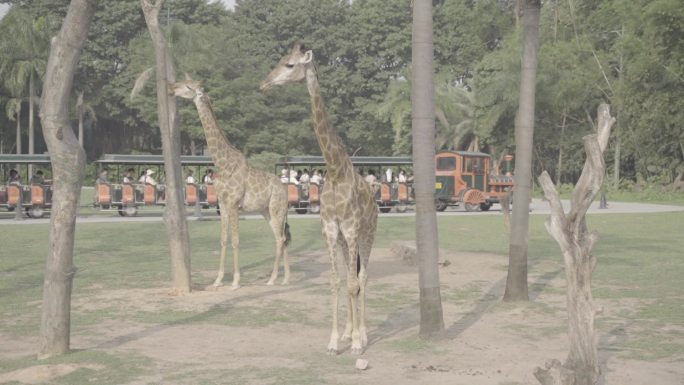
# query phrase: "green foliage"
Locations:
[[628, 53]]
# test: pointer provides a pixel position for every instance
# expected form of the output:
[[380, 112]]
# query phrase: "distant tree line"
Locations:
[[628, 53]]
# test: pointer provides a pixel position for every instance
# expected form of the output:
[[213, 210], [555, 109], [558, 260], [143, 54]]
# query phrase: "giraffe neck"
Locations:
[[338, 163], [217, 142]]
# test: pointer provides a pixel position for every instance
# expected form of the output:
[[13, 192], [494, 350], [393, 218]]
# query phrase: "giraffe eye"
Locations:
[[289, 65]]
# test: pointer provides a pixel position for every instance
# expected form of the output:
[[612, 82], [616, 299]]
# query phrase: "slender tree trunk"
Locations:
[[18, 115], [81, 116], [423, 120], [516, 281], [576, 242], [68, 169], [174, 214], [560, 149]]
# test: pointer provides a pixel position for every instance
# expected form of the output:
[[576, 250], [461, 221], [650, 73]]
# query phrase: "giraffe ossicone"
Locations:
[[348, 208], [239, 188]]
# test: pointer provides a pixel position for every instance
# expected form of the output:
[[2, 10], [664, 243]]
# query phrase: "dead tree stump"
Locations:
[[576, 242]]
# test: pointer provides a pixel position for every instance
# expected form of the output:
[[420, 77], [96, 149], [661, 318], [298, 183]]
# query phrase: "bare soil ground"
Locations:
[[278, 335]]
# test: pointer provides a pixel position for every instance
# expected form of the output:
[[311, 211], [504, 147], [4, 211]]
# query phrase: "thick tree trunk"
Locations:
[[576, 242], [423, 121], [516, 280], [174, 214], [68, 169]]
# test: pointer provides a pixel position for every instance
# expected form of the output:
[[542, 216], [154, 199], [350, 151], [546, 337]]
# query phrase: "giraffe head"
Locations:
[[187, 89], [291, 68]]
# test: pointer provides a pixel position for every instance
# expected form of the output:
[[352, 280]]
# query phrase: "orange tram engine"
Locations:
[[467, 178]]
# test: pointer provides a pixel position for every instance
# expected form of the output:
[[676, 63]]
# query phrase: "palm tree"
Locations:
[[423, 122], [13, 108], [454, 109], [23, 58], [516, 280]]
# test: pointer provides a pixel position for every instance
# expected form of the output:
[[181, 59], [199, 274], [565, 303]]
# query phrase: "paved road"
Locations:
[[537, 207]]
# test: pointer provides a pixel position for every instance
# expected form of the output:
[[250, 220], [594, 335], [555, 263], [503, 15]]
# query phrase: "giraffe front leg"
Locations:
[[363, 278], [333, 347], [235, 240], [224, 247], [353, 288]]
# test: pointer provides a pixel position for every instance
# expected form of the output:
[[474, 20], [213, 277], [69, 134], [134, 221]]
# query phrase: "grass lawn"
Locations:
[[640, 266]]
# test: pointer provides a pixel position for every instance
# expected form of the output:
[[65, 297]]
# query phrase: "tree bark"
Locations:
[[576, 242], [516, 280], [423, 121], [174, 213], [68, 169]]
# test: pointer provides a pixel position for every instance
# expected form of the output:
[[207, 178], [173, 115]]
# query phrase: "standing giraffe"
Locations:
[[348, 210], [239, 187]]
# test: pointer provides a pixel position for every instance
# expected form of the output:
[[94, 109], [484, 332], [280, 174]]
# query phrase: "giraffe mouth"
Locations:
[[265, 86]]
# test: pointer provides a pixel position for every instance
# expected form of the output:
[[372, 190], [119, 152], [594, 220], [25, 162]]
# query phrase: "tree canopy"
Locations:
[[624, 52]]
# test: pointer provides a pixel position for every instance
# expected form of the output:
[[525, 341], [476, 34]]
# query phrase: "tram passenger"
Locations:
[[388, 175], [147, 178], [37, 178], [283, 176], [14, 177], [128, 176], [315, 178], [191, 177], [207, 178], [304, 178], [402, 176], [293, 177], [103, 177]]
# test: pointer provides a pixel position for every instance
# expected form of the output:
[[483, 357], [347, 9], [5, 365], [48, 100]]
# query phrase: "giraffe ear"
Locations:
[[308, 56]]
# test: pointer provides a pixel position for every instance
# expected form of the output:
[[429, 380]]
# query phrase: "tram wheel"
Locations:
[[36, 212], [314, 208], [440, 205], [385, 209], [130, 211]]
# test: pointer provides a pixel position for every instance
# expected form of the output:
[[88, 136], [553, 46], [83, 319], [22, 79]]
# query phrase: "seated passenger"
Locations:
[[103, 177], [147, 178], [37, 178], [315, 178], [14, 177]]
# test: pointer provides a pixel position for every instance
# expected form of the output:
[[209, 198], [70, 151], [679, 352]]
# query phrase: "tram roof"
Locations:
[[25, 158], [200, 160], [463, 153], [356, 160]]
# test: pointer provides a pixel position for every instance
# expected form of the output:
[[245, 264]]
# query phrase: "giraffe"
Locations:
[[239, 188], [348, 209]]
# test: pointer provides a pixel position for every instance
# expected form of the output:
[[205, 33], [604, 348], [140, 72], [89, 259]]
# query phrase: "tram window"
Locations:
[[478, 165], [467, 165], [446, 164]]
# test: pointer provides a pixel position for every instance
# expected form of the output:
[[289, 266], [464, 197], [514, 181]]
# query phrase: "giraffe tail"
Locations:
[[288, 236]]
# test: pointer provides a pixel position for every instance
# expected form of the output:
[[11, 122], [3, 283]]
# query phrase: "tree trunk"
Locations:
[[516, 281], [81, 115], [423, 121], [18, 117], [68, 170], [560, 149], [174, 213], [576, 242]]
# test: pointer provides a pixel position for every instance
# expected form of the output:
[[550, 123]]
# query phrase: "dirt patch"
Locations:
[[43, 374], [278, 334]]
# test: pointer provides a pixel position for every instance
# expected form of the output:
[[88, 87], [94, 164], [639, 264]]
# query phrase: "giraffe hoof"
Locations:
[[270, 282], [332, 352], [356, 351], [235, 286], [218, 284], [286, 282]]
